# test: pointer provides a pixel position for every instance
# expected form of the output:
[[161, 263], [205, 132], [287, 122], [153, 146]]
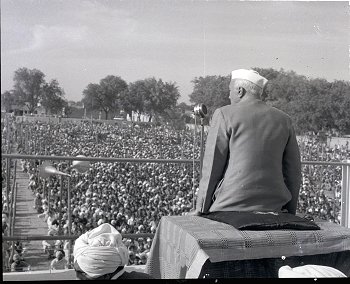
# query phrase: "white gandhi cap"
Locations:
[[249, 75]]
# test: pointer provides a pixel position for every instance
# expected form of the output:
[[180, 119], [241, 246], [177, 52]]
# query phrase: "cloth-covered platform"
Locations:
[[196, 247]]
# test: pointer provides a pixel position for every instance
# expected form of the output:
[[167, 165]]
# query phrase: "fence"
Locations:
[[345, 194]]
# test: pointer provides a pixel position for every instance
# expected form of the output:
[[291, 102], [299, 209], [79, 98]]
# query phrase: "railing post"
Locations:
[[8, 176], [345, 196], [69, 221], [61, 198], [48, 193]]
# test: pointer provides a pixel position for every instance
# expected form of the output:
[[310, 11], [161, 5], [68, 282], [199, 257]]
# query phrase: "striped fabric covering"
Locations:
[[183, 244]]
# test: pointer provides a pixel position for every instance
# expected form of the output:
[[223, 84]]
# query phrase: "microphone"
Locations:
[[200, 110]]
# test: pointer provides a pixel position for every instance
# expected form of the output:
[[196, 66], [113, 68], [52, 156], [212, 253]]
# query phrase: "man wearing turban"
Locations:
[[252, 159], [100, 254]]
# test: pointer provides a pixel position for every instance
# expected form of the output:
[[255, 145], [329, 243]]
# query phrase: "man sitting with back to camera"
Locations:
[[100, 254], [252, 159]]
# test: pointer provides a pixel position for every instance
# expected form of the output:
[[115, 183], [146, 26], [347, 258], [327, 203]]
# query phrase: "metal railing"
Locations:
[[10, 157], [345, 185], [345, 193]]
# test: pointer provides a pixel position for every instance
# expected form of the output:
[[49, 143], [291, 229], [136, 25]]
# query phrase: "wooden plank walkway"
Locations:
[[27, 222]]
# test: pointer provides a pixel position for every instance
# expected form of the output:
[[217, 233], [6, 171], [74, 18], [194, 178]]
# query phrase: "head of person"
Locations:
[[59, 255], [16, 258], [246, 83], [55, 224], [100, 254]]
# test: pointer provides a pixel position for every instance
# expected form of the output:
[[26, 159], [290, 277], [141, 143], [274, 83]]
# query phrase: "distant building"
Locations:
[[135, 117], [20, 110]]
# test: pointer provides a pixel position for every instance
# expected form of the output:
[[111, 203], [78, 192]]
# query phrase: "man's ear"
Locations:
[[241, 92]]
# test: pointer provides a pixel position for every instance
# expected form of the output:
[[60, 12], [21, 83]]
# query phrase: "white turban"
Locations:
[[309, 271], [100, 251]]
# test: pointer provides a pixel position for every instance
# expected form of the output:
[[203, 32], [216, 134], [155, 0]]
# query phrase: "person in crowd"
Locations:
[[18, 247], [49, 245], [252, 159], [100, 254], [59, 262], [38, 203], [132, 257], [18, 264], [54, 225], [5, 227], [141, 258], [59, 246]]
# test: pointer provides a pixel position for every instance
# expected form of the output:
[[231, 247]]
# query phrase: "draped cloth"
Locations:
[[100, 251]]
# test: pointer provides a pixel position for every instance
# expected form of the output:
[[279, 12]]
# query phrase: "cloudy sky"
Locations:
[[82, 41]]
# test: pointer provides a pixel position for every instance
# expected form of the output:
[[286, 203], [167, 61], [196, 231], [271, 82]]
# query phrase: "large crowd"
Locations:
[[320, 195], [133, 197]]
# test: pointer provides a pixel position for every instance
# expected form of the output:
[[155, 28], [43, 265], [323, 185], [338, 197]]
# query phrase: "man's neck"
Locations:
[[250, 98]]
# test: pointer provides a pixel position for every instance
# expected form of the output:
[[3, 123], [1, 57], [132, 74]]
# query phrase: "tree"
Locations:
[[111, 91], [340, 97], [133, 98], [52, 98], [184, 107], [160, 97], [10, 99], [89, 97], [106, 96], [29, 86], [212, 91], [150, 96]]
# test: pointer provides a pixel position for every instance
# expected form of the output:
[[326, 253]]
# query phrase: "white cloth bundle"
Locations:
[[100, 251], [309, 271]]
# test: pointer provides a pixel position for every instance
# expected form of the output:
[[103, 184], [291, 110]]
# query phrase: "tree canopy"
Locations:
[[105, 96], [151, 96], [29, 85], [213, 91], [31, 89], [313, 104]]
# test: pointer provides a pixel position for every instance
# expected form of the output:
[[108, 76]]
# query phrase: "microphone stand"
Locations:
[[193, 163], [201, 111], [201, 149]]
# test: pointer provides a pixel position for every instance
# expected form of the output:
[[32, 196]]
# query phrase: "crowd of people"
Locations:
[[320, 195], [133, 197]]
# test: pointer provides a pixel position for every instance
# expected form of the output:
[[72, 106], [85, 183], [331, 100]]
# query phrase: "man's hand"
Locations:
[[194, 213]]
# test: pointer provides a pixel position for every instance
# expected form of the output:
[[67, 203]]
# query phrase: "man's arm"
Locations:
[[214, 161], [292, 171]]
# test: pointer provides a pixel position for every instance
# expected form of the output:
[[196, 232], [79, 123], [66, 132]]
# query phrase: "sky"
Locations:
[[79, 42]]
